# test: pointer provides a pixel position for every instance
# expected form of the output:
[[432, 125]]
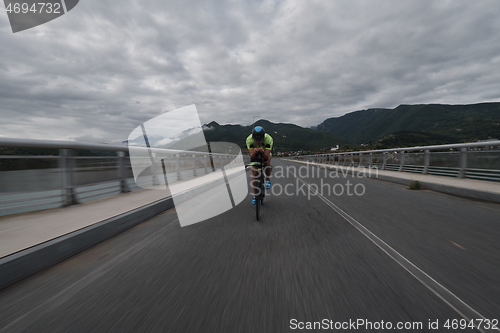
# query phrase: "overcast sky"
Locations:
[[101, 70]]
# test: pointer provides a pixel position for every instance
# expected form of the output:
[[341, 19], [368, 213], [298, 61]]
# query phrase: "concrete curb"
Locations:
[[443, 188], [462, 192], [22, 264]]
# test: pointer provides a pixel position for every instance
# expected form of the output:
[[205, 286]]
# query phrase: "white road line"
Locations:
[[444, 294]]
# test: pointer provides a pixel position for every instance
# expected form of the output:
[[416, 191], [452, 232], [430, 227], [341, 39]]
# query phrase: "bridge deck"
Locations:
[[306, 260]]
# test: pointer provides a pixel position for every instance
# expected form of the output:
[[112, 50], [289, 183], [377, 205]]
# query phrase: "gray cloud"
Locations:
[[104, 68]]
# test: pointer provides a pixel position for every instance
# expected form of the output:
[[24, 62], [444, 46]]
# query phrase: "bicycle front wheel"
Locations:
[[257, 208], [262, 190], [257, 199]]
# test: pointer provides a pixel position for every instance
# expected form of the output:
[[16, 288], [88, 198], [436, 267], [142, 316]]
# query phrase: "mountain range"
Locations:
[[403, 126], [286, 137], [455, 123]]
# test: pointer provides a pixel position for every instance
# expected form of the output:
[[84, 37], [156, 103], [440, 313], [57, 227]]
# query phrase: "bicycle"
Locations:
[[261, 187]]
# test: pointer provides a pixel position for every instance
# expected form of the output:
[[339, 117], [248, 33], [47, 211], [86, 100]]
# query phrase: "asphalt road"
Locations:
[[303, 262]]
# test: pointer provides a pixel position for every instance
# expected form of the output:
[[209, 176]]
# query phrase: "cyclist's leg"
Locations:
[[267, 171], [254, 185], [267, 163]]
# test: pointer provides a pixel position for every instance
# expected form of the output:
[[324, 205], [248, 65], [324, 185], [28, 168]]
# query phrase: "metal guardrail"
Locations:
[[66, 179], [475, 160]]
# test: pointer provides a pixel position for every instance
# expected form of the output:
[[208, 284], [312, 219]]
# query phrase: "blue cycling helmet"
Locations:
[[258, 133]]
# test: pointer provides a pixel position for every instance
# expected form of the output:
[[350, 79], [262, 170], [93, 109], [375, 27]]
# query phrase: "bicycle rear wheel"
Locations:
[[262, 189], [257, 208], [262, 195], [258, 202]]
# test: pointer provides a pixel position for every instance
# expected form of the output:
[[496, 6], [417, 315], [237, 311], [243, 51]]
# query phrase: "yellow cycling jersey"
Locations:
[[267, 143]]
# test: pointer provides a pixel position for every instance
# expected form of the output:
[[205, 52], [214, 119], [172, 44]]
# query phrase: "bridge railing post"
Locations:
[[121, 167], [384, 160], [153, 168], [194, 164], [67, 171], [427, 161], [178, 166], [402, 161], [370, 164], [463, 163], [205, 163]]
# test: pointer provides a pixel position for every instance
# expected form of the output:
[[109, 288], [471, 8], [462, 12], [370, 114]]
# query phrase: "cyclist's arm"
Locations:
[[268, 143], [253, 152], [266, 154], [268, 146]]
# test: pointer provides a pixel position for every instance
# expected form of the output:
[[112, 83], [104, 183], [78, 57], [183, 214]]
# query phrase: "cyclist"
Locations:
[[259, 142]]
